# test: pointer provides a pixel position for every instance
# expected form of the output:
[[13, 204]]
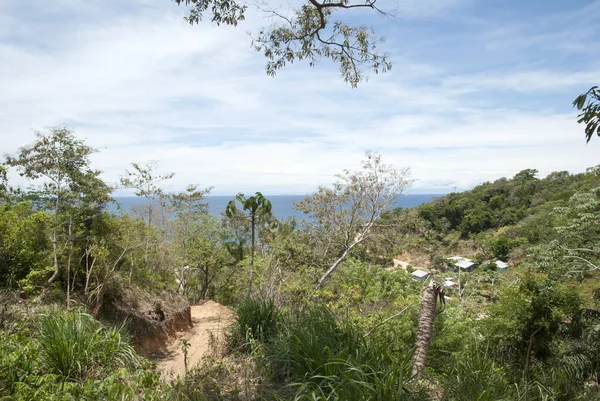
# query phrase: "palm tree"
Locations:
[[429, 297], [259, 211]]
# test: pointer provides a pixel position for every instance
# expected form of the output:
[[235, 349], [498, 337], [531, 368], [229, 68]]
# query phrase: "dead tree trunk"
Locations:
[[429, 297]]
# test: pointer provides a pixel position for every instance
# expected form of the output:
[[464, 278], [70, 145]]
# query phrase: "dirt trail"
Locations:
[[208, 318]]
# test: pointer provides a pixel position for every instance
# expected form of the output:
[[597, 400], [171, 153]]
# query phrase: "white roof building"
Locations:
[[449, 283], [501, 266], [419, 275], [463, 263]]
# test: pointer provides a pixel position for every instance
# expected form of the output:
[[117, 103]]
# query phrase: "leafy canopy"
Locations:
[[589, 105], [305, 33]]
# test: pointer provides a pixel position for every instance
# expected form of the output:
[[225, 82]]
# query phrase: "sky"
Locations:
[[478, 90]]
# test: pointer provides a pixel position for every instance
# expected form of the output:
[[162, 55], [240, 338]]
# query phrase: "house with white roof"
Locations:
[[501, 266], [463, 264], [419, 275], [449, 283]]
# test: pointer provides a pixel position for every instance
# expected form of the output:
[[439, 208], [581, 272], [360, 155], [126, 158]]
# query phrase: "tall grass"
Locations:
[[476, 377], [257, 319], [321, 358], [74, 345]]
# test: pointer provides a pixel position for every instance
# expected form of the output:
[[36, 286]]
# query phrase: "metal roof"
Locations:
[[420, 273], [465, 263]]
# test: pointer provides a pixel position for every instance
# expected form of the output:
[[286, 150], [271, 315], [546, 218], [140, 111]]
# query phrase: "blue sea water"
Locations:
[[283, 205]]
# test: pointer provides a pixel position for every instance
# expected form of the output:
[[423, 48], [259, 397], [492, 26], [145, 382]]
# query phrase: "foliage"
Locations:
[[73, 345], [342, 217], [256, 320], [189, 208], [259, 212], [529, 333], [589, 105], [146, 182], [307, 32], [476, 376], [524, 324], [70, 356], [24, 246], [321, 358], [71, 189]]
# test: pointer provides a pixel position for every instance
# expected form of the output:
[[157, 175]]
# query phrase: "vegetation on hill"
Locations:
[[329, 317]]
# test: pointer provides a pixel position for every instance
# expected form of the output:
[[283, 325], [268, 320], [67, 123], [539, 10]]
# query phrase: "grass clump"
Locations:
[[75, 345], [475, 376], [257, 319], [315, 356]]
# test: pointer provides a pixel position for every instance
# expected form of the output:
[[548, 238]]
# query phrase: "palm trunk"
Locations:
[[427, 316]]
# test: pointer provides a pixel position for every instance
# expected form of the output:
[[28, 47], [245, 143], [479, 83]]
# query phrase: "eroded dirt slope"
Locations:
[[210, 322]]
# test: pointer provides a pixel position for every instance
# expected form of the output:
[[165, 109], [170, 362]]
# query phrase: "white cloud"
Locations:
[[143, 85]]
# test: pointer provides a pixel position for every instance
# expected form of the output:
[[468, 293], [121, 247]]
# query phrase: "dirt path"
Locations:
[[208, 318]]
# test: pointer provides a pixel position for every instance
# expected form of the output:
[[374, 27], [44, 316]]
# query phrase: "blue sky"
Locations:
[[478, 90]]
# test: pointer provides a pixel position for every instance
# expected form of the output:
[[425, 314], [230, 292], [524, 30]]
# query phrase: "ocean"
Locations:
[[283, 205]]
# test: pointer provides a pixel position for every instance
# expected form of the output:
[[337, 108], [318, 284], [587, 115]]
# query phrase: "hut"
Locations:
[[419, 275], [501, 266], [463, 264]]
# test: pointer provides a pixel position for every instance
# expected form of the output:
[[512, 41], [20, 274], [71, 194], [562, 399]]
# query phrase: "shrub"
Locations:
[[74, 345], [319, 357], [477, 377], [256, 319]]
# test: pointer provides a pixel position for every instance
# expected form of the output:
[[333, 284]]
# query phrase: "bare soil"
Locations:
[[206, 338]]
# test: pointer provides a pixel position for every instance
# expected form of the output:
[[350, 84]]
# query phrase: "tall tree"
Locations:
[[589, 105], [258, 209], [307, 32], [342, 217], [189, 207], [207, 256], [146, 182], [3, 184], [62, 161]]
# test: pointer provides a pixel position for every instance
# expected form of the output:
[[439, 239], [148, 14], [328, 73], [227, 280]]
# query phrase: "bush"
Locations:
[[74, 344], [477, 377], [256, 320], [34, 359], [319, 357]]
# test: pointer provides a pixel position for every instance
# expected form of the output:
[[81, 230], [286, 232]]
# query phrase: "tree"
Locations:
[[145, 181], [308, 32], [4, 190], [576, 248], [206, 255], [342, 217], [589, 105], [24, 243], [429, 297], [526, 175], [188, 207], [62, 160], [259, 211]]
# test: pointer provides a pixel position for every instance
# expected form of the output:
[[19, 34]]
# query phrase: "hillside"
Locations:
[[326, 308]]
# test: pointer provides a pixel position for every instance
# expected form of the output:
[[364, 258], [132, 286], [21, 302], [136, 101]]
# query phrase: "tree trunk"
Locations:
[[332, 268], [88, 275], [55, 240], [182, 283], [427, 316], [69, 264], [252, 222], [206, 282]]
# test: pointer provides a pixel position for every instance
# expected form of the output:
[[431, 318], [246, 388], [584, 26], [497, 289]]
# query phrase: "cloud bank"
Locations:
[[471, 97]]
